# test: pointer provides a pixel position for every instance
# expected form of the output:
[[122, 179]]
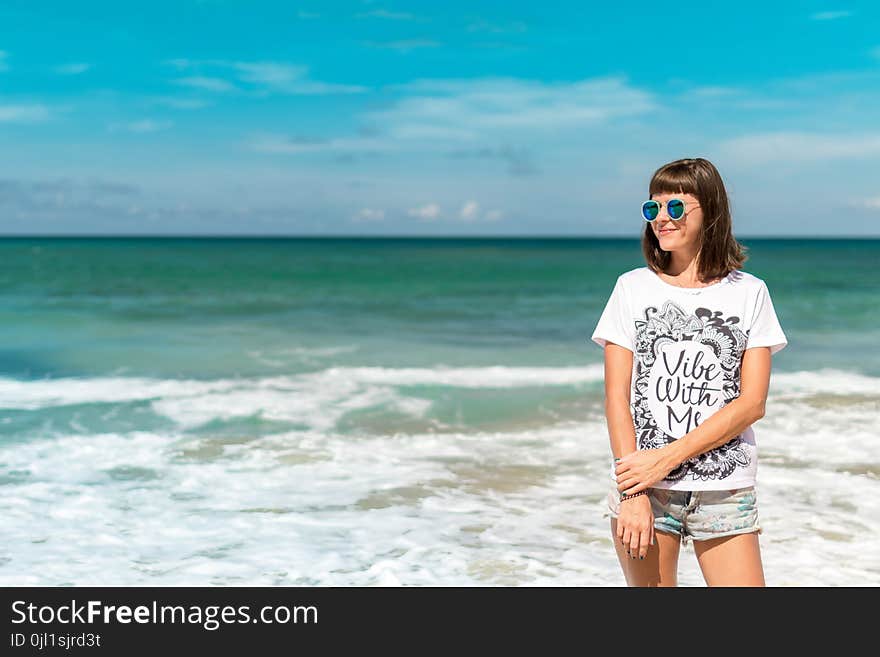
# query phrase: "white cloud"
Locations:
[[73, 68], [282, 144], [384, 13], [315, 88], [368, 214], [273, 143], [751, 98], [456, 114], [403, 45], [829, 15], [716, 91], [427, 212], [142, 126], [287, 78], [180, 63], [261, 76], [271, 74], [23, 113], [205, 83], [799, 147], [65, 200], [869, 203], [468, 109], [485, 26], [441, 133], [469, 210], [182, 103]]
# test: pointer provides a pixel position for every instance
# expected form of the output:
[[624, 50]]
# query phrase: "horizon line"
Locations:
[[368, 237]]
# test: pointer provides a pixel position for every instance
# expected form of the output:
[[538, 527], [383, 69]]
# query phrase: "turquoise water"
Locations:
[[355, 411], [211, 307]]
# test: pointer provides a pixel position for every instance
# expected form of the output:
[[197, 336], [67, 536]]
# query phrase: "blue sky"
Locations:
[[426, 118]]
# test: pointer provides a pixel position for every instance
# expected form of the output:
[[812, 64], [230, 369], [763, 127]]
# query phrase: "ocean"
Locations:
[[355, 412]]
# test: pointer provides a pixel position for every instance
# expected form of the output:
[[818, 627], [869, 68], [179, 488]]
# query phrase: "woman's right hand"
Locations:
[[635, 525]]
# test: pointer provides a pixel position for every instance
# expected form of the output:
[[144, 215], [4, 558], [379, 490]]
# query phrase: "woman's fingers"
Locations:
[[634, 488], [628, 536], [644, 543], [624, 483], [631, 486], [637, 542], [634, 545], [633, 476]]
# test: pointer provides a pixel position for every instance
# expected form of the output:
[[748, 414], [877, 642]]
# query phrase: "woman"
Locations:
[[688, 341]]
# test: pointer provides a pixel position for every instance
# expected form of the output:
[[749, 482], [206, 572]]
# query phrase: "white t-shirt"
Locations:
[[687, 346]]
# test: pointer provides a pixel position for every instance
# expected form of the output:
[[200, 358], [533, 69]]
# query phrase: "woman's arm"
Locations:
[[618, 379], [635, 521], [642, 469]]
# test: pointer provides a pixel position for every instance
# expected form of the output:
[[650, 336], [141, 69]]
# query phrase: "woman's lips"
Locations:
[[667, 231]]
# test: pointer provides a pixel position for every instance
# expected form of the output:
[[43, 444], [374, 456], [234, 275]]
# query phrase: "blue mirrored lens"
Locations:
[[650, 210], [675, 208]]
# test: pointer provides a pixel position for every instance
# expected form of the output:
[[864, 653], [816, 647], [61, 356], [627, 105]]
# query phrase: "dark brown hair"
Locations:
[[720, 253]]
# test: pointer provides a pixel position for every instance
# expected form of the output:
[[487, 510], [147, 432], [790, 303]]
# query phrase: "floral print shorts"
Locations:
[[700, 514]]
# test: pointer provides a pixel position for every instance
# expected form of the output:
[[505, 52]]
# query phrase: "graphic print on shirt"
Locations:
[[688, 366]]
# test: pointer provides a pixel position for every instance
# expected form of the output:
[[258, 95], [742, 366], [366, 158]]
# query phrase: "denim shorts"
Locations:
[[700, 514]]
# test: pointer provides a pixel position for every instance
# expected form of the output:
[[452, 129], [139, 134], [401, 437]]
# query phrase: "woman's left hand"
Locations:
[[642, 469]]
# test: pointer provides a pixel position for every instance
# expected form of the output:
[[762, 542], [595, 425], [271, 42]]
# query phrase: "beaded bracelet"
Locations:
[[623, 496]]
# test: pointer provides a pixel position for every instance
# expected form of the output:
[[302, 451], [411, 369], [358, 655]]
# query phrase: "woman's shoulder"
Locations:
[[634, 274], [744, 279]]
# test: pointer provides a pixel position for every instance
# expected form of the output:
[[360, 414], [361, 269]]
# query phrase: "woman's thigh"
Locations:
[[658, 568], [731, 560]]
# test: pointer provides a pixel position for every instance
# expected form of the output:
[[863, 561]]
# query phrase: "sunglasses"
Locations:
[[675, 208]]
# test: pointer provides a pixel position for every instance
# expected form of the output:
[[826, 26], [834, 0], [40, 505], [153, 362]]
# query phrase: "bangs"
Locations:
[[674, 178]]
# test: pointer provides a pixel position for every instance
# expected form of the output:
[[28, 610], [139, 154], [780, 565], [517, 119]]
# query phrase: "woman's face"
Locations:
[[683, 234]]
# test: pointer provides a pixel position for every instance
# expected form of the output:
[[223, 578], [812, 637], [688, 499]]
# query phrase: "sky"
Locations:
[[423, 118]]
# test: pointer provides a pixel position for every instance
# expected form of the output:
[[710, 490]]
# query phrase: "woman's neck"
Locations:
[[684, 269]]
